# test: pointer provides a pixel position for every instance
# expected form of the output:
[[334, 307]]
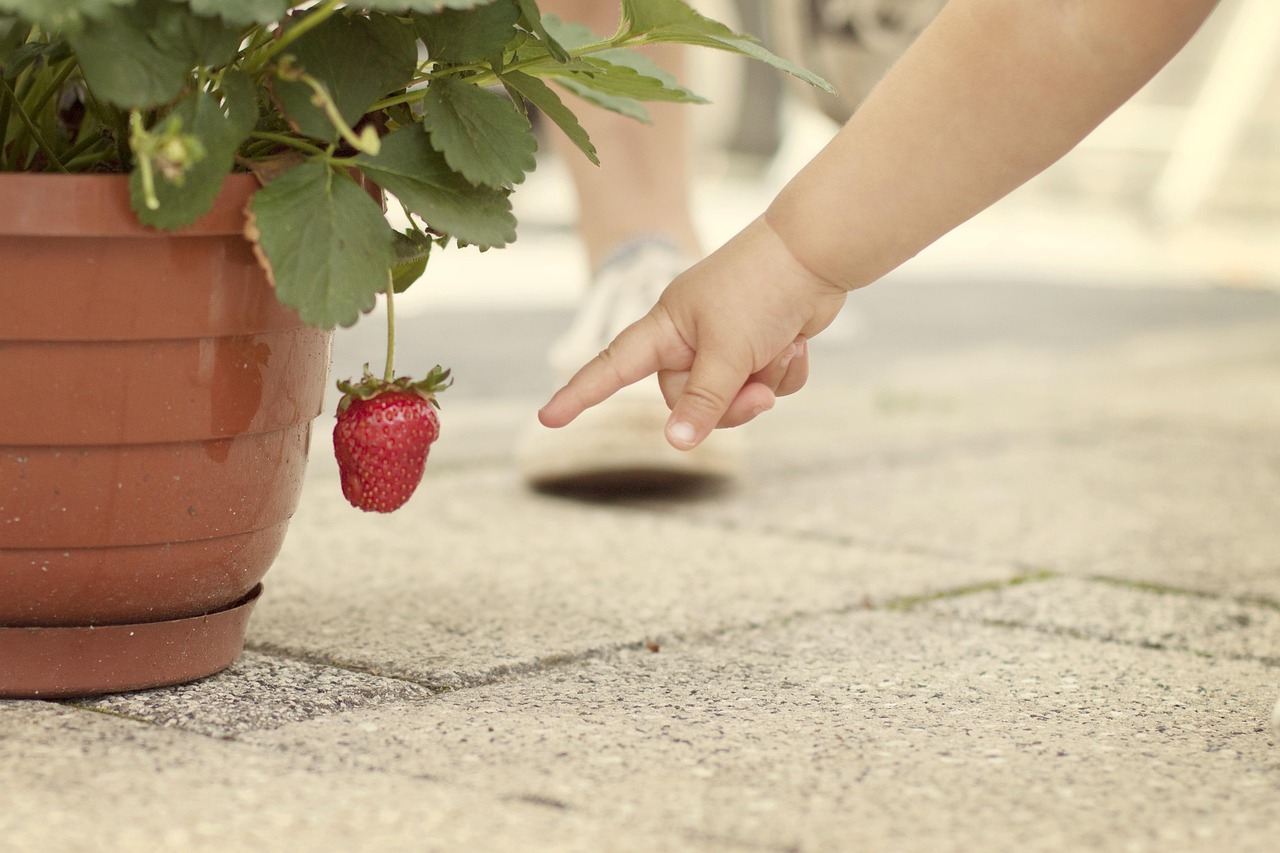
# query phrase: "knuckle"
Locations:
[[705, 399], [607, 358]]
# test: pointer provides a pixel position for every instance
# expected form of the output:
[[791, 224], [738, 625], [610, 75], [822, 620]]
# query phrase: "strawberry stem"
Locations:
[[388, 375]]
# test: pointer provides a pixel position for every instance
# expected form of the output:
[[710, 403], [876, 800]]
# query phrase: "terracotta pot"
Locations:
[[153, 436]]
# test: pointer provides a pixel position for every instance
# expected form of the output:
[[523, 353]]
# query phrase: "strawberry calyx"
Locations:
[[370, 386]]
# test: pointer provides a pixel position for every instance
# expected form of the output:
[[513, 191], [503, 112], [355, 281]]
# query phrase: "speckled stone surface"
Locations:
[[478, 578], [1004, 577], [80, 780], [868, 730], [257, 692]]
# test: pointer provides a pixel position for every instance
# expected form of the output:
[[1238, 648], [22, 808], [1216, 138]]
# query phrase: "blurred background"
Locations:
[[1178, 191]]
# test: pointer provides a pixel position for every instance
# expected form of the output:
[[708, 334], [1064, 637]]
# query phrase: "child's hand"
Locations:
[[726, 338]]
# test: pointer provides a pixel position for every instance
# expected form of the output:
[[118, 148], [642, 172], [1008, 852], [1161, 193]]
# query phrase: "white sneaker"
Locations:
[[620, 445]]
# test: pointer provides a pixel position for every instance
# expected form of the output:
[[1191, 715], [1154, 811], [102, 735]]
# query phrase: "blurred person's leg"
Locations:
[[637, 229], [852, 43], [641, 187]]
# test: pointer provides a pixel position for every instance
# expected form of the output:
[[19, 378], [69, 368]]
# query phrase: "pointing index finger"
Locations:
[[630, 358]]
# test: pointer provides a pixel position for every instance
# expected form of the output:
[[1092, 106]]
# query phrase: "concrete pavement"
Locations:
[[1006, 576]]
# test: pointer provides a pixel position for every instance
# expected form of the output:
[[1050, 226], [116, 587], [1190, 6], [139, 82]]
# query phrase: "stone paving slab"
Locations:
[[857, 647], [861, 401], [868, 730], [1163, 506], [258, 692], [477, 577], [78, 780], [1213, 626], [1155, 459]]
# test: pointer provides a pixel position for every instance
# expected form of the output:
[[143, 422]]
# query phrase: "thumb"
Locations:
[[713, 384]]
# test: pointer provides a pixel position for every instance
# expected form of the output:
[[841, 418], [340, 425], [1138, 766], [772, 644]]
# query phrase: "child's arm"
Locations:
[[989, 95]]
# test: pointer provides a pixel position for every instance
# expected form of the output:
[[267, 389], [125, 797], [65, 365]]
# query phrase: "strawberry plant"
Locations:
[[425, 99], [339, 108]]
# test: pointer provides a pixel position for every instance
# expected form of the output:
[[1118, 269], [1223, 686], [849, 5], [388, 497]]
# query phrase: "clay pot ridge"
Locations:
[[152, 477]]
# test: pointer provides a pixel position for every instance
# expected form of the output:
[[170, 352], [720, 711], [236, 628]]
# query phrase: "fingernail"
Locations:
[[682, 433], [784, 358]]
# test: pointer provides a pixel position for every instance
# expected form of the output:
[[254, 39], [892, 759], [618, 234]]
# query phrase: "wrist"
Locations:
[[813, 274]]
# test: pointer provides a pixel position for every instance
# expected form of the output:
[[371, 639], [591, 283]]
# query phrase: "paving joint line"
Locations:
[[1269, 661], [1248, 600], [914, 603], [548, 663], [903, 604], [910, 603], [561, 660]]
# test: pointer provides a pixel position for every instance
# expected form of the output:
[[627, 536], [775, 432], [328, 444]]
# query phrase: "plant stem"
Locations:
[[137, 139], [289, 141], [54, 87], [32, 129], [389, 373], [89, 140], [367, 142], [260, 36], [84, 161], [490, 76], [121, 136], [317, 16], [6, 108], [485, 75]]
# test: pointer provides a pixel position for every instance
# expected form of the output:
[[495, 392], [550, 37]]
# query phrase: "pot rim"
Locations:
[[41, 204]]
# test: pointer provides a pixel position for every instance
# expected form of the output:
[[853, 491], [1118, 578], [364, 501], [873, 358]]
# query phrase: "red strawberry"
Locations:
[[384, 432]]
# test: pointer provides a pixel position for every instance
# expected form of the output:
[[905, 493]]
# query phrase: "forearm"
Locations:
[[993, 92]]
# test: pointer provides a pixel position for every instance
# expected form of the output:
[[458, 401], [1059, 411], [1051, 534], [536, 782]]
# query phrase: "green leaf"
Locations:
[[545, 99], [124, 67], [531, 17], [327, 246], [650, 16], [675, 21], [222, 121], [412, 251], [472, 35], [574, 35], [629, 107], [609, 78], [142, 56], [482, 134], [202, 41], [240, 97], [413, 171], [64, 15], [12, 35], [15, 58], [242, 12], [357, 59], [749, 47], [618, 79]]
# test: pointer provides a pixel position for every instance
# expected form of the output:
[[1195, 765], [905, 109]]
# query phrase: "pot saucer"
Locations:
[[75, 661]]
